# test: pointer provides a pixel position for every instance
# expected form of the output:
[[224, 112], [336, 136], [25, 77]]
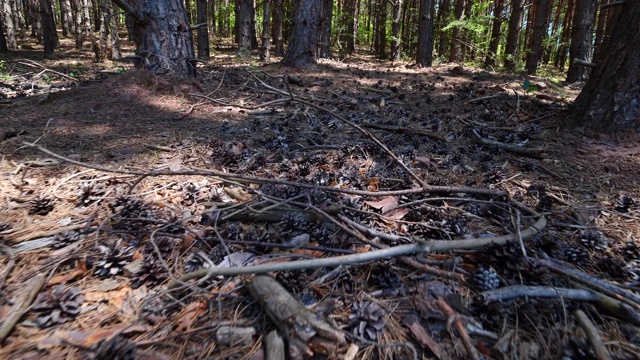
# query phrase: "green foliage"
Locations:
[[528, 87]]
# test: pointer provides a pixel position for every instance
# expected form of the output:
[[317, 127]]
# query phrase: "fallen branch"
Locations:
[[420, 247], [9, 264], [453, 317], [21, 305], [531, 152], [516, 291], [592, 335], [46, 69], [406, 130]]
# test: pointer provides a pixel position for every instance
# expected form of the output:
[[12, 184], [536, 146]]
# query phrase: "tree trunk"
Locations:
[[266, 25], [277, 28], [443, 19], [554, 30], [50, 36], [203, 30], [537, 36], [424, 55], [9, 26], [3, 41], [211, 19], [581, 38], [490, 61], [188, 10], [455, 35], [243, 27], [349, 34], [610, 100], [395, 30], [65, 18], [566, 35], [513, 34], [163, 36], [254, 35], [304, 36], [325, 29], [77, 17], [113, 41]]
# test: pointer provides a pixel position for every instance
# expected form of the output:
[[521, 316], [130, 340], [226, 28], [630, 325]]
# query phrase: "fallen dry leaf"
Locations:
[[385, 205]]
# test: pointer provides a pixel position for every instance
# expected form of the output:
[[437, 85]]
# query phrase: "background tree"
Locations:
[[303, 43], [203, 29], [350, 33], [610, 100], [278, 40], [244, 13], [50, 36], [325, 29], [538, 34], [396, 40], [163, 36], [266, 25], [581, 40], [454, 53], [425, 33], [498, 6]]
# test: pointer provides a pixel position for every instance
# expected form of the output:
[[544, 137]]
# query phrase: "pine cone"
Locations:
[[485, 279], [624, 202], [576, 255], [612, 266], [66, 238], [59, 305], [631, 251], [113, 259], [41, 206], [115, 348], [367, 320], [593, 239]]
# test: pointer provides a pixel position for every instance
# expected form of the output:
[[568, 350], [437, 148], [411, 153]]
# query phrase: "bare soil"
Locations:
[[109, 243]]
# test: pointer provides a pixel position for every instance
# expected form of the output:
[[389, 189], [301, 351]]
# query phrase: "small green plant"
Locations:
[[528, 87], [121, 70]]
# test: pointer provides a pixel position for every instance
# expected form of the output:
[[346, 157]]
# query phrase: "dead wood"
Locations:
[[298, 325], [531, 152], [406, 130], [592, 335], [22, 304]]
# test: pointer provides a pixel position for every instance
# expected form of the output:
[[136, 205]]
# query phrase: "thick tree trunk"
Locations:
[[610, 99], [203, 30], [9, 26], [537, 36], [395, 31], [513, 34], [490, 61], [325, 29], [163, 36], [50, 36], [424, 55], [277, 28], [454, 53], [266, 25], [304, 37], [581, 38], [243, 27]]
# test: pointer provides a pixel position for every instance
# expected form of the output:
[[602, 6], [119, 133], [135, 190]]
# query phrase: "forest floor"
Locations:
[[117, 184]]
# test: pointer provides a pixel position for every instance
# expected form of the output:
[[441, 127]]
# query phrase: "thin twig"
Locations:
[[453, 317], [592, 335], [516, 291]]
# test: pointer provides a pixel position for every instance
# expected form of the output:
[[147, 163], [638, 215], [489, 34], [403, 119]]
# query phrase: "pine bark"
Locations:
[[442, 19], [581, 38], [266, 25], [424, 55], [304, 36], [349, 34], [278, 40], [454, 53], [203, 31], [243, 27], [3, 41], [66, 18], [610, 100], [513, 34], [537, 36], [9, 26], [490, 60], [396, 41], [325, 29], [561, 59], [50, 36]]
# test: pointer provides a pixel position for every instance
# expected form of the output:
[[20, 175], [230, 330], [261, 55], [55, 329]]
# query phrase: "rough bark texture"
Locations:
[[203, 31], [513, 34], [537, 36], [325, 29], [50, 36], [163, 38], [66, 19], [455, 35], [349, 34], [304, 37], [243, 26], [3, 40], [443, 19], [495, 33], [278, 41], [9, 26], [561, 59], [266, 25], [395, 31], [424, 54], [610, 100], [581, 38], [77, 18]]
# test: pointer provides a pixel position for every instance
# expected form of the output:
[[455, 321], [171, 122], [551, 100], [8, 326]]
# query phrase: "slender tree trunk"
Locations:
[[581, 38], [50, 36], [77, 17], [254, 36], [66, 18], [203, 31], [610, 98], [9, 26], [443, 19], [395, 30], [277, 28], [537, 37], [455, 35], [3, 41], [211, 19], [113, 41], [566, 36], [424, 55], [304, 37], [325, 29], [490, 61], [602, 17], [266, 25], [243, 27], [349, 35]]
